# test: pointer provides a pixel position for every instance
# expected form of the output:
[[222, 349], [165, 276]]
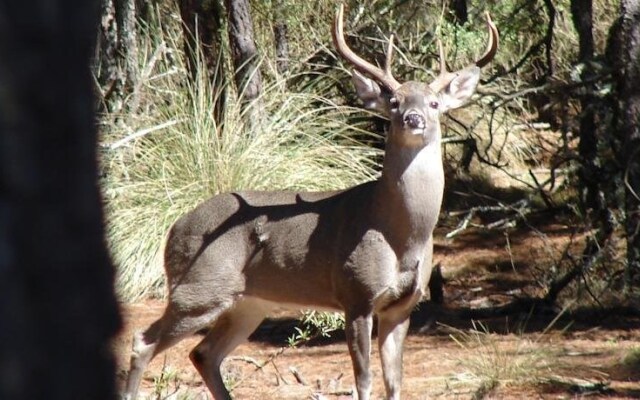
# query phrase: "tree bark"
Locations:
[[460, 13], [245, 56], [57, 303], [145, 10], [582, 14], [202, 26], [117, 52], [630, 132], [127, 43], [106, 57], [596, 197], [280, 38]]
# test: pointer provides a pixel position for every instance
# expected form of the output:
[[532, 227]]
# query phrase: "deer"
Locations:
[[366, 251]]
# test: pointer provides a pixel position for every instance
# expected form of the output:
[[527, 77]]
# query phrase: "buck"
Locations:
[[366, 250]]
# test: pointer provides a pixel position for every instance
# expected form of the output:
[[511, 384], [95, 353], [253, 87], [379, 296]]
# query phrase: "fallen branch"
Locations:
[[260, 366], [578, 385], [520, 209], [249, 360], [296, 374]]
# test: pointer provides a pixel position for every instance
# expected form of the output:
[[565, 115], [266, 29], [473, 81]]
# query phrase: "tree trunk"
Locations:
[[630, 132], [106, 58], [146, 10], [582, 14], [581, 11], [596, 198], [57, 303], [127, 43], [280, 37], [117, 52], [459, 8], [202, 25], [245, 57]]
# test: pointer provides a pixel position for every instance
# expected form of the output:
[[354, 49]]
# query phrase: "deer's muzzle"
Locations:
[[414, 120]]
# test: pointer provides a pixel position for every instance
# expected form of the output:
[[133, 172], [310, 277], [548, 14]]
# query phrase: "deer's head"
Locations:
[[413, 108]]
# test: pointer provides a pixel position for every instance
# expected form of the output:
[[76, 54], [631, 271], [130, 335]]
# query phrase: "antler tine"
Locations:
[[443, 57], [444, 76], [492, 44], [389, 59], [382, 76]]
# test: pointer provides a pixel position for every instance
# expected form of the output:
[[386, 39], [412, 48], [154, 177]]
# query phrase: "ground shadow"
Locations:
[[428, 317]]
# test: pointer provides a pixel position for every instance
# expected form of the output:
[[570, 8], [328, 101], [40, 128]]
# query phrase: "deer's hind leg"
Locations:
[[231, 329], [171, 328]]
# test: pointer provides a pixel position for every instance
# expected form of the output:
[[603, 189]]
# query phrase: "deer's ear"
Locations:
[[370, 93], [460, 89]]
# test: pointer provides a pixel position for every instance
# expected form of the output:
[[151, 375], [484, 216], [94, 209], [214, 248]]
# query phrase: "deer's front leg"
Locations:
[[358, 330], [391, 333]]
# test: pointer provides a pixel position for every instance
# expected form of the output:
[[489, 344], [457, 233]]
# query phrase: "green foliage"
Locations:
[[631, 360], [162, 383], [316, 324], [305, 142]]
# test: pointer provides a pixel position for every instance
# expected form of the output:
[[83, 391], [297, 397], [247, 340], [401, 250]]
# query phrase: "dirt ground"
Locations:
[[446, 356]]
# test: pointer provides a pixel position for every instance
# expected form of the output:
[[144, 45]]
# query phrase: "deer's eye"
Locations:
[[393, 103], [434, 105]]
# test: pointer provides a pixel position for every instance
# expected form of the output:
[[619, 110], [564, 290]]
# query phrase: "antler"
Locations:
[[445, 77], [383, 76], [492, 44]]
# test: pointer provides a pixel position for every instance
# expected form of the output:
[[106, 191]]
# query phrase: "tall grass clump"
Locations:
[[490, 362], [174, 155]]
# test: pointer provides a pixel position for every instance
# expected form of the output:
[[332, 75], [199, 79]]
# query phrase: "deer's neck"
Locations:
[[410, 192]]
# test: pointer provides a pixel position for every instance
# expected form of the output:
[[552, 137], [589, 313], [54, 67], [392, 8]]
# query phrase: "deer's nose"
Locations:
[[414, 120]]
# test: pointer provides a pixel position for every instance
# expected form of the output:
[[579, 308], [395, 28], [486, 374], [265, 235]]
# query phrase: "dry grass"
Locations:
[[170, 155], [491, 361]]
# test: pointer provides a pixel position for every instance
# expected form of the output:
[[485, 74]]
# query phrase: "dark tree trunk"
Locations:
[[459, 8], [245, 56], [57, 304], [117, 52], [202, 25], [127, 43], [582, 14], [630, 132], [145, 10], [282, 47], [548, 36], [588, 147], [594, 179], [280, 37], [106, 57]]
